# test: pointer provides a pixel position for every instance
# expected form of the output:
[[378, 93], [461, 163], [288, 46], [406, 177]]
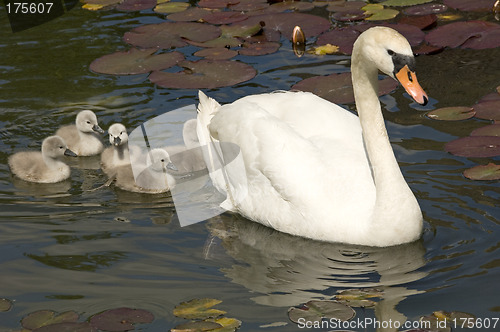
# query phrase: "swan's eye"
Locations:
[[390, 52], [88, 122]]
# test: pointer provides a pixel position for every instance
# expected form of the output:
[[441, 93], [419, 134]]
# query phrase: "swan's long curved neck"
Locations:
[[393, 196]]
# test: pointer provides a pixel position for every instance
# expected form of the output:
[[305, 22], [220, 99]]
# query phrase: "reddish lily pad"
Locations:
[[66, 327], [290, 5], [315, 311], [426, 9], [345, 6], [259, 48], [470, 5], [120, 319], [135, 61], [475, 146], [224, 17], [205, 74], [243, 30], [47, 317], [170, 34], [136, 5], [402, 3], [192, 14], [490, 130], [217, 4], [483, 172], [344, 38], [422, 22], [488, 110], [219, 42], [216, 53], [337, 88], [452, 113], [491, 96], [249, 5], [350, 16], [468, 34]]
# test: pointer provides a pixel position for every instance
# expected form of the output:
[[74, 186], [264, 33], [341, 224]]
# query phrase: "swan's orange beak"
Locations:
[[408, 80]]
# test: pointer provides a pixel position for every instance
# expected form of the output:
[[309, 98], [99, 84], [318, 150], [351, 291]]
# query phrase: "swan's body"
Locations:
[[117, 154], [83, 137], [153, 178], [187, 158], [44, 166], [313, 169]]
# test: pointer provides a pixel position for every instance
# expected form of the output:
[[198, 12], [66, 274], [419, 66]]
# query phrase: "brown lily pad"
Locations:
[[192, 14], [170, 34], [483, 172], [490, 130], [475, 146], [452, 113], [488, 110], [344, 38], [135, 5], [470, 5], [224, 17], [205, 74], [217, 4], [120, 319], [345, 6], [216, 53], [467, 34], [41, 318], [259, 48], [135, 61], [426, 9], [66, 327], [422, 22], [337, 88]]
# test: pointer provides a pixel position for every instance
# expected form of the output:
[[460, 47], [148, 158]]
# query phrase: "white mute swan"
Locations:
[[82, 137], [313, 169], [44, 167]]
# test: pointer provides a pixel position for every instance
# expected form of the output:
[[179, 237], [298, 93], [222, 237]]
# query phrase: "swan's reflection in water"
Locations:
[[288, 270]]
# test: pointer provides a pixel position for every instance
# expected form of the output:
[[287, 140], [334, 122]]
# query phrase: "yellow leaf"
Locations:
[[198, 309], [326, 49], [89, 6]]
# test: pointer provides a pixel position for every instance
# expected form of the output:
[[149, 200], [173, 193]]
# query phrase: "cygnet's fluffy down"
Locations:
[[83, 137], [117, 154], [44, 166], [187, 158], [152, 179]]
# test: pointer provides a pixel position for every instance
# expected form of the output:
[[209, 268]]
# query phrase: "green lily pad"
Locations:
[[359, 297], [490, 130], [120, 319], [475, 146], [170, 34], [66, 327], [228, 324], [452, 113], [337, 88], [382, 15], [41, 318], [171, 7], [315, 311], [488, 110], [483, 172], [259, 48], [216, 53], [198, 309], [404, 3], [205, 74], [135, 61], [5, 305]]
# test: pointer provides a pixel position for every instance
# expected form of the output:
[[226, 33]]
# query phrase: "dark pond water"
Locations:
[[66, 247]]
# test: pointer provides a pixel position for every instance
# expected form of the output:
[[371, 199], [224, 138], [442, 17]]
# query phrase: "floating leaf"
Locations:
[[198, 309], [470, 5], [171, 7], [135, 61], [47, 317], [452, 113], [315, 311], [226, 42], [402, 3], [136, 5], [345, 6], [228, 324], [455, 315], [259, 48], [66, 327], [426, 9], [290, 5], [488, 110], [469, 34], [216, 53], [325, 49], [205, 74], [100, 4], [344, 38], [170, 34], [359, 297], [490, 130], [475, 146], [422, 22], [483, 172], [120, 319], [5, 305], [337, 88], [350, 16], [250, 5], [217, 4], [224, 17], [243, 30], [382, 15], [192, 14], [196, 326]]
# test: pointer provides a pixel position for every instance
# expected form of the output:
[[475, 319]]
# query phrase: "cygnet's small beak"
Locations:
[[69, 153], [116, 141], [171, 166], [97, 129]]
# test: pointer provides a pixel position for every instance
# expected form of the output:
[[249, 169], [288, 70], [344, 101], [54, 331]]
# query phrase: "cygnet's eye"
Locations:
[[121, 132], [88, 122], [390, 52], [163, 160], [61, 147]]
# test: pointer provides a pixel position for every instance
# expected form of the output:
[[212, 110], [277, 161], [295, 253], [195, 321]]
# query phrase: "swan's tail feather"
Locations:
[[206, 110]]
